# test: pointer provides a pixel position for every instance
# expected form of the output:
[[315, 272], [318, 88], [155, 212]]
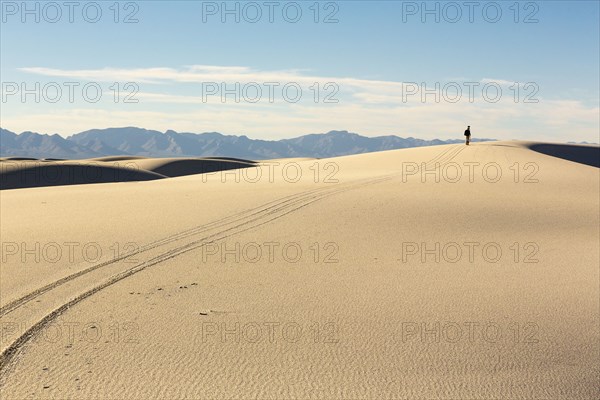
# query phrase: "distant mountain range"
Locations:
[[149, 143]]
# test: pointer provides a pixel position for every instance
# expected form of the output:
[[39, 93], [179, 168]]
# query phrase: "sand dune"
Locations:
[[18, 159], [588, 155], [18, 173], [440, 272], [28, 174]]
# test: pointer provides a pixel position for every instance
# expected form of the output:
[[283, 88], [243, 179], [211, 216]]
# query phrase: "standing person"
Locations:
[[468, 134]]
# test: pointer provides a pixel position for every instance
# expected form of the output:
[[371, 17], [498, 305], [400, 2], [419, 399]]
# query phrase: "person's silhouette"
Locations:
[[468, 134]]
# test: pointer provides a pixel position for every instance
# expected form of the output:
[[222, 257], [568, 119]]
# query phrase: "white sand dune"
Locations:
[[18, 173], [21, 174], [440, 272]]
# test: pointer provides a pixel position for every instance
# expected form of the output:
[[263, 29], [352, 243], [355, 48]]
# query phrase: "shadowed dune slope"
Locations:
[[20, 174], [29, 174], [173, 167], [117, 158], [588, 155], [18, 159]]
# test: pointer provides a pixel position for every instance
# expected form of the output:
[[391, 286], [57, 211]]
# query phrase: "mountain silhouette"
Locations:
[[150, 143]]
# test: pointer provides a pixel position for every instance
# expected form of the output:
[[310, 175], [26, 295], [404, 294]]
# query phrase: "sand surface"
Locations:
[[448, 272]]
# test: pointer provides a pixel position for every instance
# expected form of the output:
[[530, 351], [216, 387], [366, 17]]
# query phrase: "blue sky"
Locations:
[[370, 60]]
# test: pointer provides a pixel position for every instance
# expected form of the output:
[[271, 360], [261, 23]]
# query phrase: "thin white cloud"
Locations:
[[369, 91], [370, 107], [204, 74], [501, 82]]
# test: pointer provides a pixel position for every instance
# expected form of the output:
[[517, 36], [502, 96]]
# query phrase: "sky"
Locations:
[[279, 69]]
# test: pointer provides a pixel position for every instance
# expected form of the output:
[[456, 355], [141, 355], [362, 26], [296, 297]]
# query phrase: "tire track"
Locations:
[[252, 220], [169, 239], [7, 308], [235, 224]]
